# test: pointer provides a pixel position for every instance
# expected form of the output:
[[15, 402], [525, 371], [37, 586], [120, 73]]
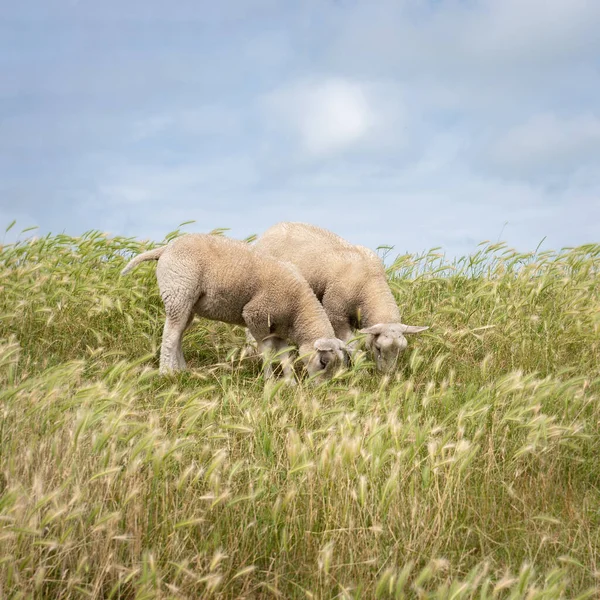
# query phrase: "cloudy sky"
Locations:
[[413, 123]]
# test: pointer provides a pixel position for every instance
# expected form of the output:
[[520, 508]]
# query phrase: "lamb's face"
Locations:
[[386, 349], [386, 341], [325, 357]]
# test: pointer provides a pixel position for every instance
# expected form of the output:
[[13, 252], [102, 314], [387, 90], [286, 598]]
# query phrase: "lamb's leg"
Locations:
[[170, 349], [179, 317], [344, 332], [274, 348], [250, 349], [287, 365], [257, 330], [269, 345], [340, 322], [181, 364], [179, 295], [268, 349]]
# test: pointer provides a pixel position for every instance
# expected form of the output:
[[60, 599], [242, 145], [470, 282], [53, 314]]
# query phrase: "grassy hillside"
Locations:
[[472, 473]]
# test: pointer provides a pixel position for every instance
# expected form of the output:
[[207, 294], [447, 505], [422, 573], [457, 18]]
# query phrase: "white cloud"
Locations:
[[482, 58], [547, 144], [409, 122], [141, 10], [526, 30], [467, 34], [206, 120], [326, 117], [205, 181]]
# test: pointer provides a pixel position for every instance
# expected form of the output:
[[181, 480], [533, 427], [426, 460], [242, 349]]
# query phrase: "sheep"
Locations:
[[351, 284], [225, 280]]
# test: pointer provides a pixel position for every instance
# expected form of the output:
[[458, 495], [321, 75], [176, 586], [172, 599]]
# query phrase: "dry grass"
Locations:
[[473, 473]]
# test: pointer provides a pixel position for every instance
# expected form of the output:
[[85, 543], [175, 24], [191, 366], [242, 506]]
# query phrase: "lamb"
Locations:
[[225, 280], [349, 281]]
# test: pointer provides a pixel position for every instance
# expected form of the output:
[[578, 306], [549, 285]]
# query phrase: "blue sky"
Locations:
[[413, 123]]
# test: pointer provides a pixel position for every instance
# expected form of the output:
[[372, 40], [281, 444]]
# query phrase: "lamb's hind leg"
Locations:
[[180, 358], [171, 352]]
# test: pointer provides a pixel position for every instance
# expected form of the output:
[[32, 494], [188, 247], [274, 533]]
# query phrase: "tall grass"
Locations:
[[471, 473]]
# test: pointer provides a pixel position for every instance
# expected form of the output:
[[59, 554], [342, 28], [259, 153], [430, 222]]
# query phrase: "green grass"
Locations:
[[473, 472]]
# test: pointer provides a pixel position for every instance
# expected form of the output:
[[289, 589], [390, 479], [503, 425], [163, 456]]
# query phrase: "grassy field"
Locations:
[[474, 472]]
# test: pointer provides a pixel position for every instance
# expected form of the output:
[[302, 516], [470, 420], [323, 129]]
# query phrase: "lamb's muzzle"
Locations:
[[386, 341]]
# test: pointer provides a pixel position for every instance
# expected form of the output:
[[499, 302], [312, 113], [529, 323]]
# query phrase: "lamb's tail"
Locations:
[[150, 255]]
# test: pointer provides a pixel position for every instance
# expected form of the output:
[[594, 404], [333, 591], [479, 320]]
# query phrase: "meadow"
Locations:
[[472, 472]]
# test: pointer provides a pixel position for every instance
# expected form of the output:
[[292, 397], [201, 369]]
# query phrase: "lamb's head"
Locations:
[[324, 357], [386, 341]]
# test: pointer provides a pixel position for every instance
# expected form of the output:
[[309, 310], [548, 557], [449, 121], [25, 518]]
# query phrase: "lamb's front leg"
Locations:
[[268, 349], [287, 365], [260, 327], [273, 348], [344, 332], [250, 349], [341, 324]]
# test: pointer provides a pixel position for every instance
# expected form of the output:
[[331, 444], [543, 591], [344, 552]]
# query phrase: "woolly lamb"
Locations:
[[225, 280], [350, 282]]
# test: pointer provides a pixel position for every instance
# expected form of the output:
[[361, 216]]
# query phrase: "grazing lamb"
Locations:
[[349, 281], [225, 280]]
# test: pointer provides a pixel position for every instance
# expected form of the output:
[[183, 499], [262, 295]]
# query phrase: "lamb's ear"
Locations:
[[413, 328], [374, 329]]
